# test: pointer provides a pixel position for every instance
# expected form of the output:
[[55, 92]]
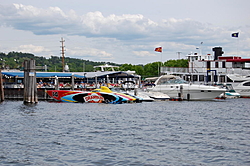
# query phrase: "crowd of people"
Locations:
[[42, 84], [82, 85]]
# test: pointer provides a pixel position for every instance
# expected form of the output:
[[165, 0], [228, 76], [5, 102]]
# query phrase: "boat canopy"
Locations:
[[170, 79]]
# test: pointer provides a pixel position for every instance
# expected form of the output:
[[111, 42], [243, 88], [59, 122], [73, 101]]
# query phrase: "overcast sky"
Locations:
[[124, 31]]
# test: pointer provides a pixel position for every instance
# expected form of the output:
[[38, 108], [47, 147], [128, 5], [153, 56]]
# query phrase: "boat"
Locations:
[[142, 97], [102, 95], [243, 88], [230, 92], [125, 96], [131, 93], [176, 87], [157, 96], [215, 69]]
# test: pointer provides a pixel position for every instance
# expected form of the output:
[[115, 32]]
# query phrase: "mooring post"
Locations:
[[1, 87], [56, 83], [181, 92], [30, 87], [72, 81]]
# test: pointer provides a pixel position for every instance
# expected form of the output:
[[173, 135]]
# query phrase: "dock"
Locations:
[[18, 93]]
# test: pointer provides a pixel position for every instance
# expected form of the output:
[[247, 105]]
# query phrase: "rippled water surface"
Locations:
[[158, 133]]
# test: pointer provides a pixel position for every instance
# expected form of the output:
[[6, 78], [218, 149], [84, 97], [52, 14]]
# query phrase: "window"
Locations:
[[195, 78], [208, 65], [216, 64], [246, 84], [223, 64], [201, 77], [222, 79]]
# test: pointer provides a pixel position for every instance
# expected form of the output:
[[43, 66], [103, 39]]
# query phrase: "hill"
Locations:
[[14, 60]]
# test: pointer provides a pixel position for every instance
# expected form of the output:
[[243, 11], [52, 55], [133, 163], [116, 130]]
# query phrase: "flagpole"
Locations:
[[159, 49], [158, 69], [201, 48], [237, 45], [161, 63], [236, 35]]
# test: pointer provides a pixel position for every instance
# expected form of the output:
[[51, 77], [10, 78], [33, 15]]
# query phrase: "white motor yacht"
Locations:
[[174, 87], [243, 88]]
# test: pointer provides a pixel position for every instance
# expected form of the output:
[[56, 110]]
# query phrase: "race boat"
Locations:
[[105, 89], [102, 95]]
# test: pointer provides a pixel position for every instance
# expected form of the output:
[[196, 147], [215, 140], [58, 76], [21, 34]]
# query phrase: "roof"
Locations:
[[69, 74], [43, 74], [151, 78]]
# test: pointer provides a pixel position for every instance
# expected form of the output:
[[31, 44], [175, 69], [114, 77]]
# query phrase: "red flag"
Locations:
[[158, 49]]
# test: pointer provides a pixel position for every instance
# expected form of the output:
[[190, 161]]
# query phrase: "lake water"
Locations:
[[157, 133]]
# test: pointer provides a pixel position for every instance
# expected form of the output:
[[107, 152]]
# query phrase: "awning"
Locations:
[[43, 74]]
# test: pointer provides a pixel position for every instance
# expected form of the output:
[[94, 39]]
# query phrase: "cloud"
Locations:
[[93, 24], [91, 52], [31, 49], [143, 53], [126, 37]]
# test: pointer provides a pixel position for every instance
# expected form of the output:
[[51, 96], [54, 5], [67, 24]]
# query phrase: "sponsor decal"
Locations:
[[55, 94], [93, 98]]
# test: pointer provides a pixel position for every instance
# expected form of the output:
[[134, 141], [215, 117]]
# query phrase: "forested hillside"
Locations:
[[14, 60]]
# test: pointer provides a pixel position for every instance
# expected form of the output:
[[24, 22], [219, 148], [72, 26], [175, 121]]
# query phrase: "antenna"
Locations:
[[62, 41]]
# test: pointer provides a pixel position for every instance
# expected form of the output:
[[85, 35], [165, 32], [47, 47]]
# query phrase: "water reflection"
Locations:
[[28, 108]]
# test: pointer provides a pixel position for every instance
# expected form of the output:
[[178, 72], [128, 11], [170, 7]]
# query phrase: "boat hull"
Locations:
[[190, 92], [86, 97], [243, 89]]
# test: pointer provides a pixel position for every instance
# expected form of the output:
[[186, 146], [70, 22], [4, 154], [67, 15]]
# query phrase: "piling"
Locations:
[[180, 95], [56, 83], [1, 88], [72, 81], [30, 88]]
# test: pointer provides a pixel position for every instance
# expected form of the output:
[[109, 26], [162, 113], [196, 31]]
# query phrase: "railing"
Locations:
[[172, 70]]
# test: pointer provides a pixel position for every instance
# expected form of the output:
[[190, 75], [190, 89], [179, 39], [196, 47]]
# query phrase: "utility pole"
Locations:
[[62, 41]]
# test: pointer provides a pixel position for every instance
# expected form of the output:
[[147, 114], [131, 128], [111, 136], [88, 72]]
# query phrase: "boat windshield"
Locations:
[[172, 81]]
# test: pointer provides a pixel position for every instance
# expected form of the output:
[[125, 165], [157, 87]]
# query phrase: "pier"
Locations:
[[18, 93]]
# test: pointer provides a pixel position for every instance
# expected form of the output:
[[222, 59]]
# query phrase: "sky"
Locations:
[[124, 31]]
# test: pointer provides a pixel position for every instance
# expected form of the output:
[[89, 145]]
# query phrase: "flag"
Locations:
[[235, 34], [158, 49]]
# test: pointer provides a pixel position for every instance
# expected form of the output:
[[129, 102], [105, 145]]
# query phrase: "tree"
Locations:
[[14, 60]]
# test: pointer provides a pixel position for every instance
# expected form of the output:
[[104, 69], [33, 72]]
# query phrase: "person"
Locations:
[[41, 82]]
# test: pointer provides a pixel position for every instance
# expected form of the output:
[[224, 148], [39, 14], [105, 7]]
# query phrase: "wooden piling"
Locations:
[[30, 87], [56, 83], [72, 81], [1, 87]]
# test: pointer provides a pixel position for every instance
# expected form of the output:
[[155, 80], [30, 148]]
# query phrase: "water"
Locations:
[[158, 133]]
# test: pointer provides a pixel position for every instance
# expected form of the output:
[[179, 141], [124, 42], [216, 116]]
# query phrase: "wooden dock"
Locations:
[[18, 93]]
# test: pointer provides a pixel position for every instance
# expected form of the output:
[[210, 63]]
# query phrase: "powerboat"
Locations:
[[243, 88], [155, 95], [102, 95], [230, 92], [176, 87], [140, 97]]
